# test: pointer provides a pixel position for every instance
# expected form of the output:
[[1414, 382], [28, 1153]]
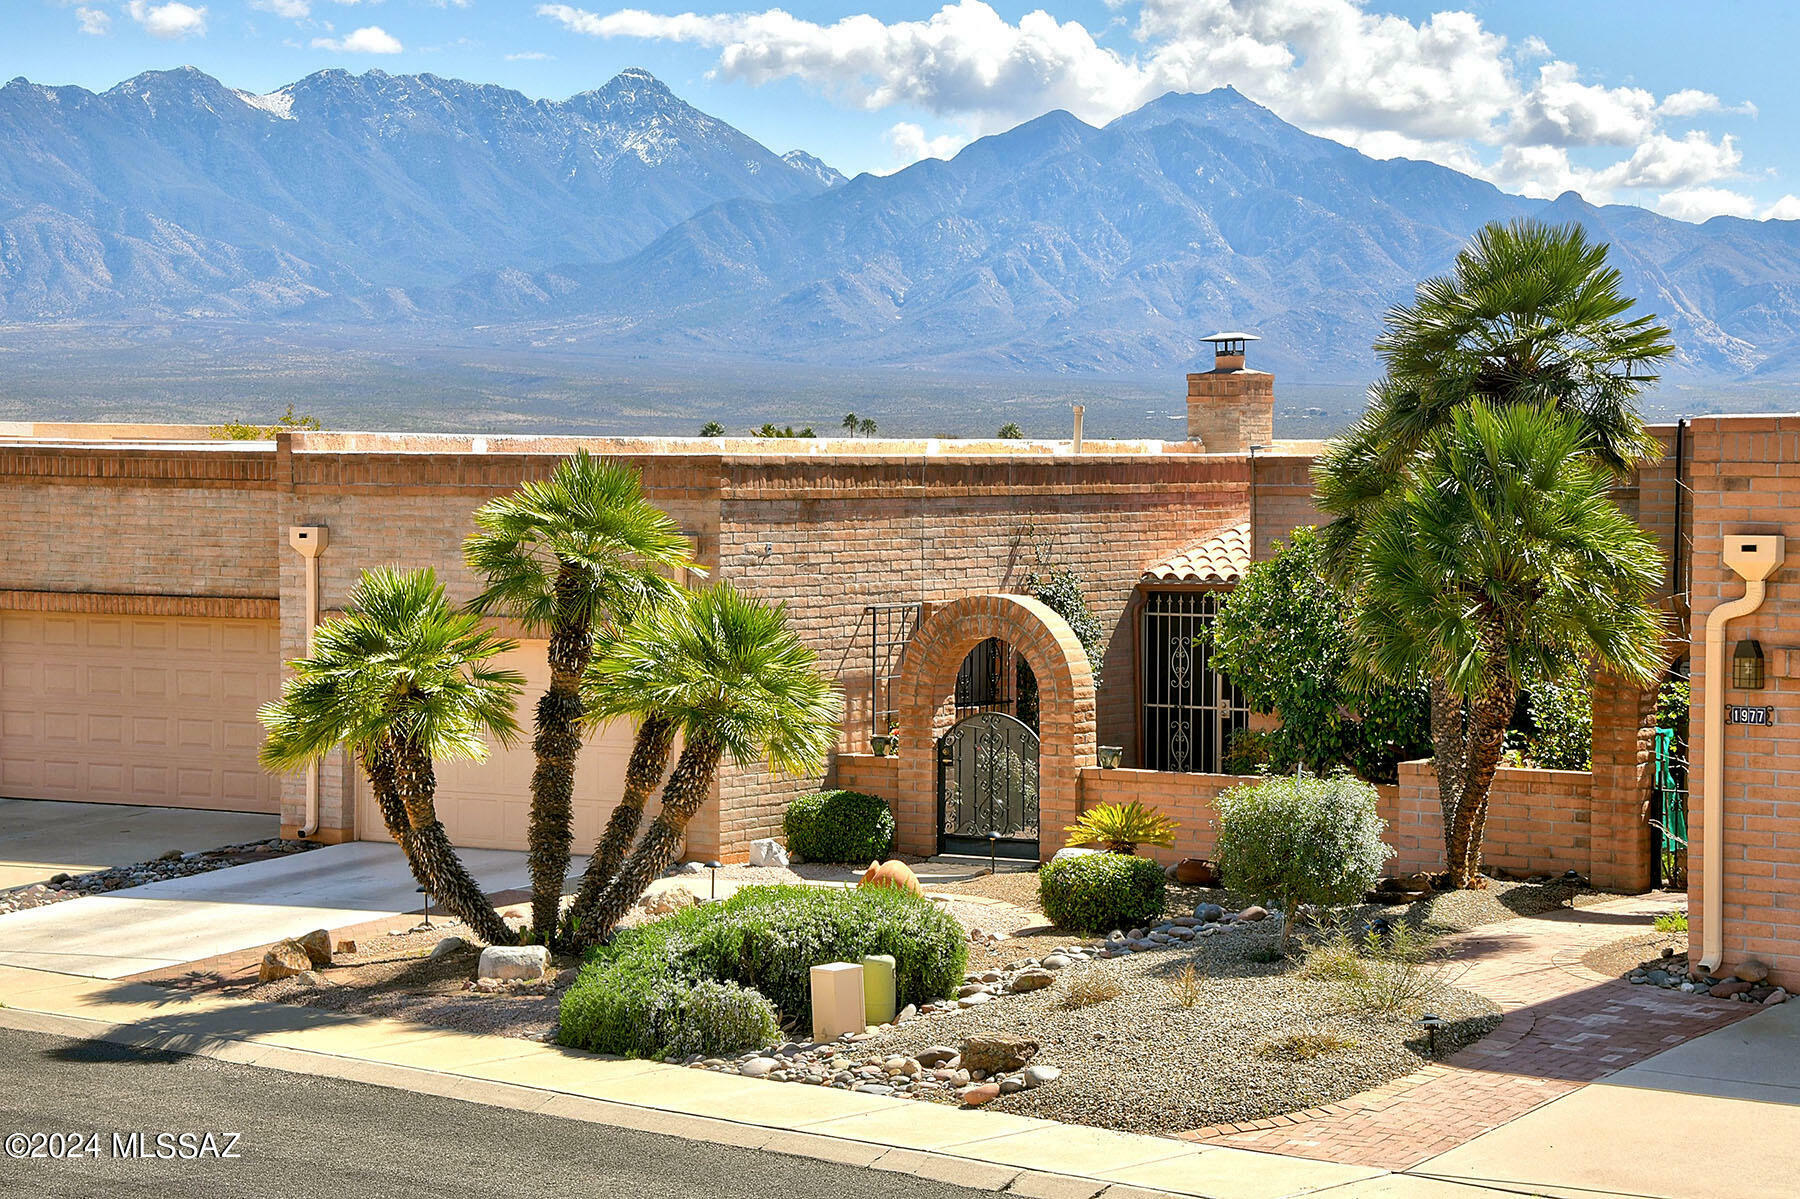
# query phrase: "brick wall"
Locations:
[[1184, 798], [833, 536], [1744, 474], [1538, 821]]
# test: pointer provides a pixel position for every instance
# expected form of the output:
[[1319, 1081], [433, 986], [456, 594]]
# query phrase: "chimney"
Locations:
[[1230, 408]]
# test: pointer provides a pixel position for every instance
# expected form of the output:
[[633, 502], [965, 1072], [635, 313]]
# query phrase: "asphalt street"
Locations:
[[321, 1138]]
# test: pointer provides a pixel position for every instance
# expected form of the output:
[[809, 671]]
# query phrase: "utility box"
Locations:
[[880, 988], [837, 999]]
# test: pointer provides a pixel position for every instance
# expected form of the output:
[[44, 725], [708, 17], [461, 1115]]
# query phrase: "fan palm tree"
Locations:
[[732, 680], [569, 557], [1530, 314], [644, 770], [1503, 557], [402, 680]]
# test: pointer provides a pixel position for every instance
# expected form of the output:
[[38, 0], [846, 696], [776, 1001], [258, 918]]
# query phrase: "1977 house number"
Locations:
[[1738, 715]]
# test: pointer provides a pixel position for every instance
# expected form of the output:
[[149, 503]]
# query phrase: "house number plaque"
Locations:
[[1739, 715]]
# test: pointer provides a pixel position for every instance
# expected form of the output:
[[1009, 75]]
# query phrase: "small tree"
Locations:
[[1283, 639], [850, 423], [867, 426], [1301, 839], [1010, 431], [712, 428]]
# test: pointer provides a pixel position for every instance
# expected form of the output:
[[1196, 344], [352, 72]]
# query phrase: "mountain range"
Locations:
[[624, 219]]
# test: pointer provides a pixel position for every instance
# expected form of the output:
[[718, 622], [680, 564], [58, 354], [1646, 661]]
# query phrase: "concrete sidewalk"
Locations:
[[991, 1150], [181, 920], [42, 837], [1729, 1099]]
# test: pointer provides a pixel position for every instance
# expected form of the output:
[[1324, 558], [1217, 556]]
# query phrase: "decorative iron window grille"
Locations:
[[890, 626], [1188, 710]]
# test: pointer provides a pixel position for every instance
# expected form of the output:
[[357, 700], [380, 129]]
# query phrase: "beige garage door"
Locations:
[[487, 805], [136, 709]]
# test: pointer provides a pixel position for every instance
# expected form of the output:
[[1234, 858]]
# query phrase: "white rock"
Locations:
[[1074, 851], [1037, 1076], [768, 852], [758, 1067], [526, 962]]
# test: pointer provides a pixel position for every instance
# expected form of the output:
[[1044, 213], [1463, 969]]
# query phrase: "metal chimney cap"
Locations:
[[1216, 337]]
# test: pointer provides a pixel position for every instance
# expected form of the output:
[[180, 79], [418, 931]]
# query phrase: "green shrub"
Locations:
[[839, 826], [637, 994], [1301, 840], [1096, 892]]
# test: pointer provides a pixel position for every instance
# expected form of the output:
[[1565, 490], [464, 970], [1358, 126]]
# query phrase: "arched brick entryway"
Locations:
[[926, 689]]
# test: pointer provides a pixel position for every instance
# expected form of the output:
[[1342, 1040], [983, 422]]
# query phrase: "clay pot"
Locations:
[[1197, 872]]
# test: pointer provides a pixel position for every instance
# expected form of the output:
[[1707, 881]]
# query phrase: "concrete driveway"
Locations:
[[41, 837], [183, 920], [1715, 1118]]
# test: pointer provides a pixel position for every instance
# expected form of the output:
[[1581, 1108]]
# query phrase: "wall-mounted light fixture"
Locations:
[[1747, 666]]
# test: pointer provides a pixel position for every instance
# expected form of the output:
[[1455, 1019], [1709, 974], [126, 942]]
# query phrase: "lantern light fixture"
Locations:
[[1747, 666]]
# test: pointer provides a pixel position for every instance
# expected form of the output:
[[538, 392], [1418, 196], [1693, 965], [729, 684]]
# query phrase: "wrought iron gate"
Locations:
[[988, 787]]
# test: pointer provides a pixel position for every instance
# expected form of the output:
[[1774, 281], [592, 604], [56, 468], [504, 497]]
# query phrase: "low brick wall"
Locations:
[[1539, 821], [869, 774]]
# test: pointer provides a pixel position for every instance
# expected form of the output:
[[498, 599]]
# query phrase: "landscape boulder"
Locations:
[[284, 959], [891, 873], [1751, 971], [667, 900], [768, 852], [448, 945], [525, 963], [317, 945], [980, 1096], [997, 1053], [1031, 980]]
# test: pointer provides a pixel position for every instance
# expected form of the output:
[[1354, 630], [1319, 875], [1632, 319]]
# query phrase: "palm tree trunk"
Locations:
[[643, 771], [558, 740], [689, 785], [1450, 754], [1489, 714], [378, 766], [429, 852]]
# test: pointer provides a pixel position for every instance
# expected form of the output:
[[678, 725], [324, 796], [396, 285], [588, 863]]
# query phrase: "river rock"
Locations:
[[1751, 971], [1253, 913], [447, 946], [1055, 961], [1726, 990], [1032, 980], [978, 1096], [1037, 1076], [1208, 912]]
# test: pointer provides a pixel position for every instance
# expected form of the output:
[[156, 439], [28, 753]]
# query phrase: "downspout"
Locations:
[[1753, 559], [309, 542]]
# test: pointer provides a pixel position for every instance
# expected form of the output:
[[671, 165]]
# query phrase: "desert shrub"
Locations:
[[1302, 1044], [1122, 827], [1403, 971], [839, 826], [1672, 922], [1092, 984], [1301, 840], [721, 1018], [1336, 959], [1185, 986], [1247, 752], [1094, 892], [634, 995], [1557, 732]]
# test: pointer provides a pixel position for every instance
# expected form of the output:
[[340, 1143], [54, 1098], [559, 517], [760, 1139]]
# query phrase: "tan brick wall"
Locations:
[[1744, 475], [1538, 821], [831, 537]]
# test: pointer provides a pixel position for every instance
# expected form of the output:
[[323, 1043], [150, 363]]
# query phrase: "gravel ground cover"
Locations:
[[173, 864], [1643, 951], [1144, 1061]]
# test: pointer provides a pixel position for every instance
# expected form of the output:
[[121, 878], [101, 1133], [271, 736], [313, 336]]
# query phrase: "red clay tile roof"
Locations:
[[1221, 558]]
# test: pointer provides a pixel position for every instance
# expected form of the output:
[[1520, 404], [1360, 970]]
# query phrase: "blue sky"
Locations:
[[1679, 107]]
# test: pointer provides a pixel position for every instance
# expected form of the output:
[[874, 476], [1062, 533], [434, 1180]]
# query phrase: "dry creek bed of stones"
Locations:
[[173, 864], [1141, 1061]]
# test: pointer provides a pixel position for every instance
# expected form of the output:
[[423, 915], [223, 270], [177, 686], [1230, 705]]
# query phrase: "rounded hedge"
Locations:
[[654, 990], [839, 826], [1098, 892]]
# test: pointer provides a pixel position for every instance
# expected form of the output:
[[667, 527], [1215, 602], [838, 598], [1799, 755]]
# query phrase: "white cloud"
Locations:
[[529, 56], [1785, 209], [172, 20], [293, 10], [1700, 203], [910, 143], [371, 39], [95, 22], [1444, 88]]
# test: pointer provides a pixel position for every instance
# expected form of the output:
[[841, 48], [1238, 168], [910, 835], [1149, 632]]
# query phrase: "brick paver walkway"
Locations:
[[1564, 1027]]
